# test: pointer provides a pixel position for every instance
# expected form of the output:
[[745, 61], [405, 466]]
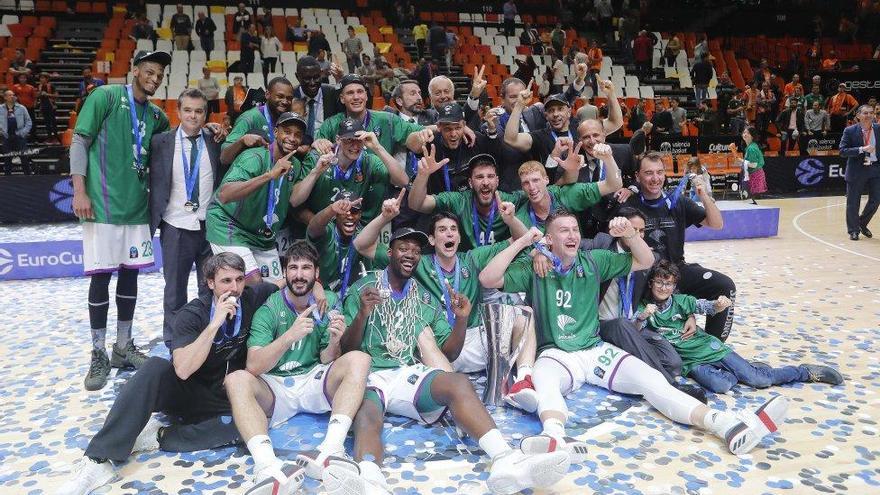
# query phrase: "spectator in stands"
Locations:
[[235, 96], [47, 95], [296, 33], [420, 35], [270, 48], [557, 39], [87, 84], [816, 120], [530, 38], [753, 161], [637, 116], [181, 28], [763, 73], [210, 87], [765, 103], [437, 42], [509, 13], [587, 110], [814, 58], [525, 68], [736, 113], [367, 70], [26, 95], [793, 85], [794, 66], [673, 48], [20, 65], [706, 119], [317, 42], [241, 20], [701, 76], [696, 168], [250, 43], [387, 82], [643, 51], [790, 125], [352, 47], [605, 15], [325, 65], [143, 28], [840, 107], [15, 126], [701, 50], [679, 116], [557, 67], [831, 63], [205, 29], [265, 19], [425, 74], [594, 63]]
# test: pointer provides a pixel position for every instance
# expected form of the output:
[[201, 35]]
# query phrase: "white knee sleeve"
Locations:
[[636, 377], [551, 379]]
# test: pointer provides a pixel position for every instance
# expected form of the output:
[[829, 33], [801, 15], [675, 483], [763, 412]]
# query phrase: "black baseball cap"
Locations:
[[558, 98], [481, 159], [348, 127], [352, 79], [409, 233], [291, 118], [450, 113], [347, 195], [162, 58]]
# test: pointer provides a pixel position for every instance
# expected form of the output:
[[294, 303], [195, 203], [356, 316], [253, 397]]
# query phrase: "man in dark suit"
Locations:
[[184, 172], [321, 100], [859, 145]]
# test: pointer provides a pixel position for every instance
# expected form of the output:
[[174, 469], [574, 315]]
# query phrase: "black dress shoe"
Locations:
[[853, 236], [865, 232]]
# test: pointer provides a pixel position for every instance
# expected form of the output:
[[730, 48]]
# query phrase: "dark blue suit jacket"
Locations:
[[850, 142]]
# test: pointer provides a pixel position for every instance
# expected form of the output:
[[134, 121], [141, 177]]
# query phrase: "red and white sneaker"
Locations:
[[522, 395], [744, 436], [285, 479], [540, 444]]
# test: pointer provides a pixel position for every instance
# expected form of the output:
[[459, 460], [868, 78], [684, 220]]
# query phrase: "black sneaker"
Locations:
[[99, 370], [130, 357], [822, 374], [694, 391]]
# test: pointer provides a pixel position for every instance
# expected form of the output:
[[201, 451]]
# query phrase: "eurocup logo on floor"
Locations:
[[6, 262], [810, 172]]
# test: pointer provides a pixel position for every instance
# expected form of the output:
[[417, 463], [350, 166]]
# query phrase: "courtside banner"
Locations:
[[49, 259]]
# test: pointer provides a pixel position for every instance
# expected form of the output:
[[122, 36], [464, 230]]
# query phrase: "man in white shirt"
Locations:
[[183, 175]]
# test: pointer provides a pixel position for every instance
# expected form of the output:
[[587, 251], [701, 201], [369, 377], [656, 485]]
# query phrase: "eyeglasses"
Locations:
[[661, 284]]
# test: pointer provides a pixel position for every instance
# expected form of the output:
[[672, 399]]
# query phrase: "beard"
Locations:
[[308, 287]]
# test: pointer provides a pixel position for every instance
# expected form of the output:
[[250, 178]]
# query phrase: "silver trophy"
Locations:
[[502, 324]]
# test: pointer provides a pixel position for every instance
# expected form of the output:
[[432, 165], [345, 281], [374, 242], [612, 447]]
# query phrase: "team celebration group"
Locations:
[[343, 257]]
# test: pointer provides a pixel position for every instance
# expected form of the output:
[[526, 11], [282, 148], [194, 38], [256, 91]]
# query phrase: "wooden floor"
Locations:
[[808, 295]]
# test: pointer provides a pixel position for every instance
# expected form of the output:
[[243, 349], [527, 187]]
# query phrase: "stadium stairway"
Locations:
[[72, 49]]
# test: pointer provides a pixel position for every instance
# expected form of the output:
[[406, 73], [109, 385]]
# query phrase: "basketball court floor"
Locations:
[[808, 295]]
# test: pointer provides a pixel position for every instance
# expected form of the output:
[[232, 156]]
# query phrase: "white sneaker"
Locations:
[[89, 476], [540, 444], [284, 479], [515, 471], [744, 436], [148, 440], [315, 461], [343, 477]]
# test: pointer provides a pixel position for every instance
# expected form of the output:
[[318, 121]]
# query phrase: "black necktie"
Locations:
[[310, 128], [193, 151]]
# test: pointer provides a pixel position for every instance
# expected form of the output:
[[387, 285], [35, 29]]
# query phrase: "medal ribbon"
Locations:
[[190, 175], [450, 316], [136, 129]]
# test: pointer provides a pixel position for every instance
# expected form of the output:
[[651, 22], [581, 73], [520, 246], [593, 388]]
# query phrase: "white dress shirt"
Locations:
[[175, 214]]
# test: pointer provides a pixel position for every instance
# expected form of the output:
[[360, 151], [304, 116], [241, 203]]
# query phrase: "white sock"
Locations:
[[522, 371], [720, 422], [371, 471], [337, 429], [261, 450], [493, 443], [554, 428]]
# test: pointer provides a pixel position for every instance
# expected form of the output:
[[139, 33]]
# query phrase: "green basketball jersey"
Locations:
[[393, 327], [573, 197], [239, 223], [473, 234], [274, 318], [567, 306], [701, 348], [119, 196]]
